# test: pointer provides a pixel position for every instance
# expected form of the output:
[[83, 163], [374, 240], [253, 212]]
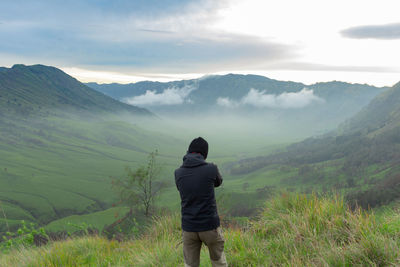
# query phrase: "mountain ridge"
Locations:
[[319, 108], [30, 89], [126, 90]]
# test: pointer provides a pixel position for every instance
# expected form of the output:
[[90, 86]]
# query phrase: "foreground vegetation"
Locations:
[[292, 229]]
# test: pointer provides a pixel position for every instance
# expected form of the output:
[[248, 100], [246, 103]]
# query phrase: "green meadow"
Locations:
[[63, 166]]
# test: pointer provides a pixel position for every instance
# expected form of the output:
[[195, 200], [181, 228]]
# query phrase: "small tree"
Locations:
[[140, 186]]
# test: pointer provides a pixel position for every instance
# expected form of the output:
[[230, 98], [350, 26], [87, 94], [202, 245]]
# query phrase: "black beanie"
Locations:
[[199, 145]]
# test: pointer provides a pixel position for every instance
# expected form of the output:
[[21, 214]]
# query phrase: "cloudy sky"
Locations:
[[131, 40]]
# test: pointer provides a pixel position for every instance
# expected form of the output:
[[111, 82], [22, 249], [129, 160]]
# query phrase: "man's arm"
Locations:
[[176, 181], [218, 180]]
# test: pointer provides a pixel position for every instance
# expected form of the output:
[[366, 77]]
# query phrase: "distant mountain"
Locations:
[[29, 90], [208, 89], [321, 106]]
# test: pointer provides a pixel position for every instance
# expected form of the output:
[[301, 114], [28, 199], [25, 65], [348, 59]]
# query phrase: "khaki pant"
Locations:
[[213, 239]]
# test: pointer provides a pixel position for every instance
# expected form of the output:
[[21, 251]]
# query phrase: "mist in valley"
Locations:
[[243, 114]]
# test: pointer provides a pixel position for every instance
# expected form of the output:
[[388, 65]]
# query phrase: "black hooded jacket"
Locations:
[[196, 180]]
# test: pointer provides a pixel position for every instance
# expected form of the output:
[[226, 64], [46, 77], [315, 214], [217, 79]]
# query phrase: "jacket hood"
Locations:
[[191, 160]]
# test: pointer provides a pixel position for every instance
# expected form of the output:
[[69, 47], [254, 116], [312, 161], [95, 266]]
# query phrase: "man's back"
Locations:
[[196, 180]]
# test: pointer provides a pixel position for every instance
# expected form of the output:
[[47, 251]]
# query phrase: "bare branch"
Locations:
[[140, 185]]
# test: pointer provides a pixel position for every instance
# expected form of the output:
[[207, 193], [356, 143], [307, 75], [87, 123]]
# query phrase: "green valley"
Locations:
[[61, 142]]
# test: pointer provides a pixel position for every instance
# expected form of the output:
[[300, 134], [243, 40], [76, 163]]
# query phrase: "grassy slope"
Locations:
[[292, 230], [92, 220], [66, 169], [323, 177]]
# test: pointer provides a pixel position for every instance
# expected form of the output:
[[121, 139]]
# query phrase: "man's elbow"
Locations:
[[218, 182]]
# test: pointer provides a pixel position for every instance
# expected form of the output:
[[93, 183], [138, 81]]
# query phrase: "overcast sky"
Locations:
[[130, 40]]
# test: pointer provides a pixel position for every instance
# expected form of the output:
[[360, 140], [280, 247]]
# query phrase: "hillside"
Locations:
[[60, 141], [292, 230], [381, 115], [28, 90], [361, 158]]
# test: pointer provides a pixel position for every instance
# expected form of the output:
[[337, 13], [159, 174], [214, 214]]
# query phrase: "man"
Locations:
[[196, 180]]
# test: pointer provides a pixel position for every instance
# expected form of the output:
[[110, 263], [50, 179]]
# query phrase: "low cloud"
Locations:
[[227, 102], [384, 32], [170, 96], [261, 99]]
